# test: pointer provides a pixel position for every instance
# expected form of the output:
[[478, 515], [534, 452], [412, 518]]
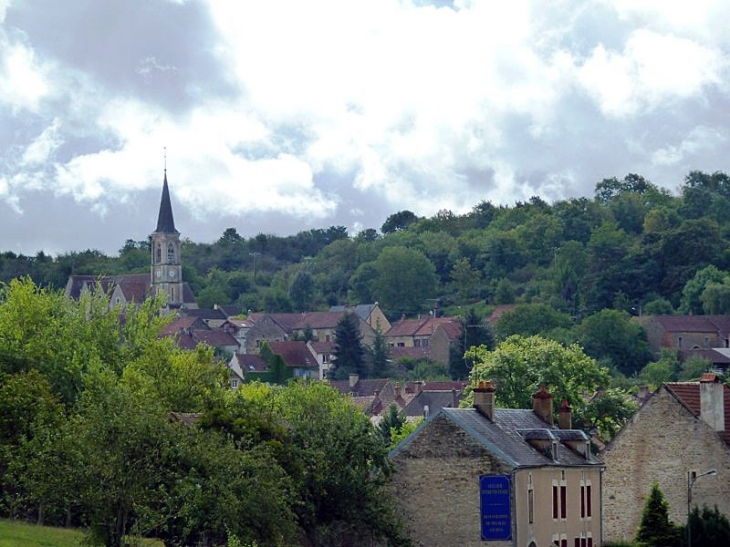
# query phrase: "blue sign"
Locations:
[[495, 501]]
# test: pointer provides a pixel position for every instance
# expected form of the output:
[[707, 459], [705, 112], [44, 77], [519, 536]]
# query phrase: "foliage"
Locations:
[[608, 412], [530, 320], [406, 429], [519, 366], [710, 528], [379, 355], [391, 424], [655, 528], [666, 369], [348, 356], [693, 367], [406, 279], [610, 334], [474, 333]]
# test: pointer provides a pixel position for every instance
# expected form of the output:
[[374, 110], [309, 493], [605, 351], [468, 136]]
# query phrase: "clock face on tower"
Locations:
[[171, 274], [158, 273]]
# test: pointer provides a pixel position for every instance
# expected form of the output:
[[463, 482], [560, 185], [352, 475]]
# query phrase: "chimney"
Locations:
[[565, 415], [542, 405], [397, 390], [484, 399], [354, 379], [454, 399], [712, 401], [419, 387]]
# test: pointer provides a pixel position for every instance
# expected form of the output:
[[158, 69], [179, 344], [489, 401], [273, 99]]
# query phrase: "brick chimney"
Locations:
[[712, 401], [542, 405], [565, 415], [484, 399]]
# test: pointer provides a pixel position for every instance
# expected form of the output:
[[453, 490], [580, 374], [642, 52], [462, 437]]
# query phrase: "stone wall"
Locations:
[[437, 485], [661, 443]]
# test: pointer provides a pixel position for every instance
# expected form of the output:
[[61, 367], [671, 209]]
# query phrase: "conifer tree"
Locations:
[[655, 529], [349, 354]]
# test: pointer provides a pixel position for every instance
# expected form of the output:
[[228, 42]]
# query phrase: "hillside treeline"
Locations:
[[633, 247]]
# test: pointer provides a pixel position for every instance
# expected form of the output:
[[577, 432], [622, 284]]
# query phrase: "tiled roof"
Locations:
[[363, 388], [434, 400], [691, 323], [294, 354], [179, 323], [214, 338], [505, 438], [204, 314], [417, 327], [134, 287], [322, 347], [452, 329], [319, 320], [498, 312], [250, 362], [397, 352], [715, 355], [688, 393], [363, 311]]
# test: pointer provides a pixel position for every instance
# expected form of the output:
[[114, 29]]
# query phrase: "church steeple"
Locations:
[[166, 269], [165, 221]]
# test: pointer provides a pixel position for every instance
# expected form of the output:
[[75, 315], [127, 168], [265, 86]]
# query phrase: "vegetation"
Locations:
[[655, 528], [106, 426]]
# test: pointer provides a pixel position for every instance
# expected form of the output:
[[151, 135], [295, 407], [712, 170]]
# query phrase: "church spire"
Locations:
[[165, 222]]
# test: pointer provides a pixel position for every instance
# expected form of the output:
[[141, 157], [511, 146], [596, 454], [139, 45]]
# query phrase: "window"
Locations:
[[589, 510], [563, 501], [555, 501], [530, 500], [170, 253], [234, 383], [158, 253], [417, 343], [325, 357], [679, 342]]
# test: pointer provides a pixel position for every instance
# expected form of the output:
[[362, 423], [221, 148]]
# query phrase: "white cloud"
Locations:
[[41, 149], [22, 80], [700, 140]]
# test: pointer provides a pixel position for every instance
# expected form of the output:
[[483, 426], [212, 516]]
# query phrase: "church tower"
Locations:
[[166, 269]]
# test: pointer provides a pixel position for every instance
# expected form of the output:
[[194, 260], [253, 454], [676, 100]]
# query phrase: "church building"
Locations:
[[165, 275]]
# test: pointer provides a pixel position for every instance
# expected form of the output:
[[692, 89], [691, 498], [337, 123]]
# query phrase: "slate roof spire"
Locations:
[[165, 221]]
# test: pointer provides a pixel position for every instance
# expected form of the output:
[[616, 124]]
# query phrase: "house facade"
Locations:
[[685, 332], [681, 429], [433, 336], [549, 491]]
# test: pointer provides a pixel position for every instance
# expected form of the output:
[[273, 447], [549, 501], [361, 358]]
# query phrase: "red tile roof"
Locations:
[[688, 393], [418, 327], [294, 354]]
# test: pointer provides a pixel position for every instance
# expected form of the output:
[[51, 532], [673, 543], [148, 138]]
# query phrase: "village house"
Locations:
[[681, 431], [685, 332], [242, 365], [434, 336], [507, 476]]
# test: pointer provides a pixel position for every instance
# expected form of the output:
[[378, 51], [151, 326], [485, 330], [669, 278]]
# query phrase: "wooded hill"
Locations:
[[633, 246]]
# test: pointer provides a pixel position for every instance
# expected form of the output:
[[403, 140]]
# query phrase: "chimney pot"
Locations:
[[484, 399], [565, 415], [542, 405], [712, 401]]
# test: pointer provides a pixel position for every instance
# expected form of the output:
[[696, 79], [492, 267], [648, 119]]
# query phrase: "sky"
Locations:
[[281, 116]]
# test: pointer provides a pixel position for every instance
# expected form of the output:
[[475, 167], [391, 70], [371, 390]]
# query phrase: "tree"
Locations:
[[655, 529], [406, 279], [398, 221], [666, 369], [466, 279], [391, 424], [379, 354], [301, 291], [611, 334], [691, 301], [520, 365], [608, 412], [710, 528], [348, 356], [531, 319], [474, 332]]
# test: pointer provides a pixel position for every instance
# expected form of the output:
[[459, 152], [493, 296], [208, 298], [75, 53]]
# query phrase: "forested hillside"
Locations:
[[633, 246]]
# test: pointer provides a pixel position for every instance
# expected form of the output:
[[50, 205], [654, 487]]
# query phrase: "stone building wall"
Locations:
[[661, 443], [264, 329], [437, 485]]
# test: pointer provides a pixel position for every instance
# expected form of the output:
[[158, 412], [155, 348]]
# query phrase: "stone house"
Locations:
[[468, 475], [242, 365], [681, 429], [323, 352], [282, 327], [685, 332], [286, 360], [432, 335], [370, 313]]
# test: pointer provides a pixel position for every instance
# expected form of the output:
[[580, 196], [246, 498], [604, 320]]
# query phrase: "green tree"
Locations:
[[611, 334], [398, 221], [666, 369], [691, 301], [466, 279], [474, 332], [608, 412], [301, 291], [710, 528], [391, 424], [379, 355], [521, 365], [716, 298], [693, 367], [531, 319], [406, 280], [348, 356], [655, 529]]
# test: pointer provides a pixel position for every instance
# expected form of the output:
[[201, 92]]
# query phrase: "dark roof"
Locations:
[[404, 352], [250, 362], [322, 347], [363, 388], [688, 393], [418, 327], [229, 309], [504, 437], [446, 385], [214, 338], [363, 311], [719, 356], [692, 323], [165, 222], [294, 354], [181, 323], [204, 313], [452, 329], [134, 287], [434, 400]]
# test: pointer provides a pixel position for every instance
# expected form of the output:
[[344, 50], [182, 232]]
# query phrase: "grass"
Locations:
[[15, 533]]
